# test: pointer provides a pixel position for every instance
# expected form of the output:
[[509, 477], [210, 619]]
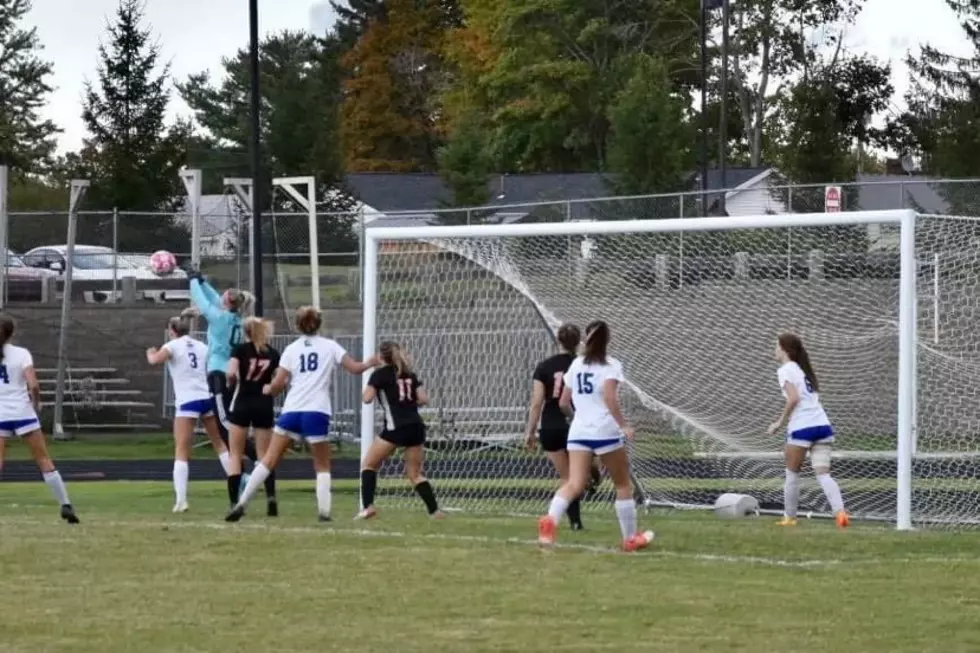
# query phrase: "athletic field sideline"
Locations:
[[134, 577]]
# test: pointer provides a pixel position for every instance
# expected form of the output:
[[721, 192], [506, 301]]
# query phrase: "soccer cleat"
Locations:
[[843, 519], [68, 514], [547, 530], [272, 508], [236, 514], [638, 541], [325, 518], [367, 513], [787, 521], [181, 506], [438, 515], [577, 526]]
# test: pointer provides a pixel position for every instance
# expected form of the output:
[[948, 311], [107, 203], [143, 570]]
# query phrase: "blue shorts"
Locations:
[[806, 438], [195, 409], [597, 447], [24, 426], [311, 426]]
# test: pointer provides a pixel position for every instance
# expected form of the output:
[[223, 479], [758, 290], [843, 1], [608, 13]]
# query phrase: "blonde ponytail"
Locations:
[[259, 332], [392, 354]]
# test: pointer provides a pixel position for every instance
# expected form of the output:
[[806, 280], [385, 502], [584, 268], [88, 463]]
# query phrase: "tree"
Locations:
[[26, 140], [941, 125], [466, 166], [816, 145], [650, 144], [390, 114], [130, 154], [546, 72], [300, 82], [776, 42]]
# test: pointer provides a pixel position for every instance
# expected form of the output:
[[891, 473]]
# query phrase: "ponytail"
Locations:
[[792, 345], [259, 332], [392, 354], [7, 326]]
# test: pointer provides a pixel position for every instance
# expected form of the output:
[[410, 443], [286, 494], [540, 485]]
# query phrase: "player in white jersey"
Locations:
[[598, 428], [20, 400], [185, 358], [307, 366], [807, 427]]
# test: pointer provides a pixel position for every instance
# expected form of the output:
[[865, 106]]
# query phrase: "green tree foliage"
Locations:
[[130, 154], [650, 144], [26, 140], [817, 144], [466, 166], [301, 86], [546, 72]]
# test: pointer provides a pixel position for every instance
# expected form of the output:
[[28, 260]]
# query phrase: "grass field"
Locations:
[[133, 577]]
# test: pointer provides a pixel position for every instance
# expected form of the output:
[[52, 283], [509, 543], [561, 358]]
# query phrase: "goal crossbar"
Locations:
[[904, 219]]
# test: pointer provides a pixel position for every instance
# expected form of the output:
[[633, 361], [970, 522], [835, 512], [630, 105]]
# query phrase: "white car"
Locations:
[[93, 263]]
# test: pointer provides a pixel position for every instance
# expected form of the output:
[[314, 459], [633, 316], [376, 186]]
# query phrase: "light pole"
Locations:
[[256, 152]]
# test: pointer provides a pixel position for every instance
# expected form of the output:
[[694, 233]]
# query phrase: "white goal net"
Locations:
[[694, 318]]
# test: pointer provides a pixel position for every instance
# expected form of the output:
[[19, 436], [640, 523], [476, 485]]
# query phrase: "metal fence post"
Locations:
[[115, 253], [789, 200], [78, 188], [4, 227]]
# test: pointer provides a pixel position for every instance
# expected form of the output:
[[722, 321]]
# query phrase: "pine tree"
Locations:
[[133, 157], [26, 141]]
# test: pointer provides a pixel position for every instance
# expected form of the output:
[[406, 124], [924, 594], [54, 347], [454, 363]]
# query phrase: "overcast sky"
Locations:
[[196, 34]]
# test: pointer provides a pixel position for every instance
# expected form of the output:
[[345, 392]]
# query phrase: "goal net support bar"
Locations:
[[422, 247]]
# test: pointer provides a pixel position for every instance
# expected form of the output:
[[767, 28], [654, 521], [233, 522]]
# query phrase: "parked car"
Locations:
[[92, 263], [22, 280]]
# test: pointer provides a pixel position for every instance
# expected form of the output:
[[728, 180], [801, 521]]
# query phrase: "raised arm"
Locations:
[[209, 304], [157, 356], [359, 367]]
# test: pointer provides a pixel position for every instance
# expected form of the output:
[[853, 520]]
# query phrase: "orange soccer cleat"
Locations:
[[787, 521], [638, 541], [843, 519], [547, 530]]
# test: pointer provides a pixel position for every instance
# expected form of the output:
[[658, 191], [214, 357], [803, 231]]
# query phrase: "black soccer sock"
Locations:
[[428, 495], [369, 482], [250, 452], [270, 486], [575, 513], [234, 483]]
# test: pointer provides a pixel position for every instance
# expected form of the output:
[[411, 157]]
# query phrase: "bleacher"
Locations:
[[98, 399]]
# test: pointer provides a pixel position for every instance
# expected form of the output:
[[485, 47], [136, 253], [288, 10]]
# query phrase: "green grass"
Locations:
[[133, 577]]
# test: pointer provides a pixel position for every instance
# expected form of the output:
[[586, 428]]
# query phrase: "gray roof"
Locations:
[[888, 192], [388, 192]]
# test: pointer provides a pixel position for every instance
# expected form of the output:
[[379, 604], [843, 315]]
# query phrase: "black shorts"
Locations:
[[255, 412], [553, 439], [218, 385], [410, 435]]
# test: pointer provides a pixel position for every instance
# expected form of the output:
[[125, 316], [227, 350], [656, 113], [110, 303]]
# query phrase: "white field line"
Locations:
[[481, 539], [447, 537]]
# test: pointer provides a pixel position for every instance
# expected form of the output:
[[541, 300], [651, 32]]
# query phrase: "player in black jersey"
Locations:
[[252, 366], [546, 413], [400, 393]]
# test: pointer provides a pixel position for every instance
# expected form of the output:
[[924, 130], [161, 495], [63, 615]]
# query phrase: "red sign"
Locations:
[[832, 199]]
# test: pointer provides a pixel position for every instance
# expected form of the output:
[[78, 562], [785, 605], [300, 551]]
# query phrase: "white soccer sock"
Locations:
[[832, 491], [259, 473], [57, 485], [182, 473], [558, 507], [224, 458], [626, 514], [791, 494], [324, 500]]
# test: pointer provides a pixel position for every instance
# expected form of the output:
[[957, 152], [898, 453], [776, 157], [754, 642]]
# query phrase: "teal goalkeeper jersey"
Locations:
[[224, 327]]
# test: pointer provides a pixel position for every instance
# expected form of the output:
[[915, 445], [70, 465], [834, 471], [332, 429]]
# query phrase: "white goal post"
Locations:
[[441, 288]]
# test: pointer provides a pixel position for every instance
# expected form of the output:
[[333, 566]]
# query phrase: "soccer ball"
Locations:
[[163, 263]]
